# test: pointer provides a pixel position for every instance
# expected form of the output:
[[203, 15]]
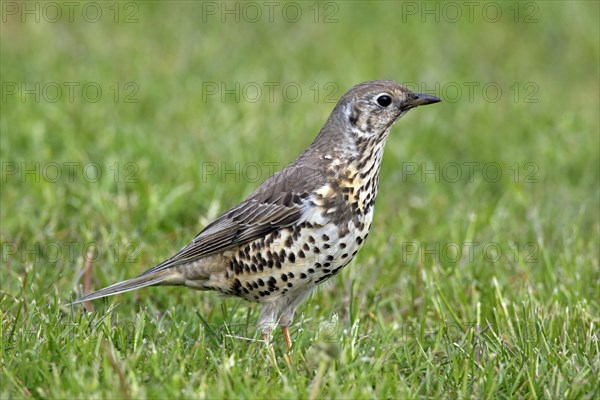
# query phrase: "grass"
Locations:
[[471, 285]]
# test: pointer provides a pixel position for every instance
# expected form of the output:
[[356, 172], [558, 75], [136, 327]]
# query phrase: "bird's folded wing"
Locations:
[[283, 200], [248, 221]]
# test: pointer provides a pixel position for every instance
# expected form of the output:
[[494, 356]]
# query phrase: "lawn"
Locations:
[[126, 127]]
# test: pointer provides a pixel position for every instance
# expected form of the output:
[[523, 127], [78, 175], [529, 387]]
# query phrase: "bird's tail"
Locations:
[[168, 277]]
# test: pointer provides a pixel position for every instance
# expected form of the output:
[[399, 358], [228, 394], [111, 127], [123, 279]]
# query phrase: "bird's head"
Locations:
[[364, 116], [371, 108]]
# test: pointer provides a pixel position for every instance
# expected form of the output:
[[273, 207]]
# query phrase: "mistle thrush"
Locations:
[[303, 224]]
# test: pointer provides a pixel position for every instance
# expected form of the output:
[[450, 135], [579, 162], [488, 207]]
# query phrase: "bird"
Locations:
[[303, 224]]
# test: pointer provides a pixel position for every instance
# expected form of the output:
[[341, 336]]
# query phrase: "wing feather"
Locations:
[[248, 222], [276, 204]]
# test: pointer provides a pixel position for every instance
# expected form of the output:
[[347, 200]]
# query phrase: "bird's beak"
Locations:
[[423, 99]]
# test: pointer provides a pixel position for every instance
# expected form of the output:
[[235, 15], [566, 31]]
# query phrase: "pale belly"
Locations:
[[291, 260]]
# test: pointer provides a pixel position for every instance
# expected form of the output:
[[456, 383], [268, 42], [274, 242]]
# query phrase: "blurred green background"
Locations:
[[130, 125]]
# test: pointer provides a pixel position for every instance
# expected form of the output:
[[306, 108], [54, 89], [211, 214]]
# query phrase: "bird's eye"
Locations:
[[384, 100]]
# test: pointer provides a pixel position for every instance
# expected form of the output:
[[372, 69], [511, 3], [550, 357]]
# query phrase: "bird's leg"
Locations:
[[286, 316], [266, 321], [286, 337]]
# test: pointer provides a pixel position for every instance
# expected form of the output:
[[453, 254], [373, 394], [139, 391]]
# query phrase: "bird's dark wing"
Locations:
[[281, 201]]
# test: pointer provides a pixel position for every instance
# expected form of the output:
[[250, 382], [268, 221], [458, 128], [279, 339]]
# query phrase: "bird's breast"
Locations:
[[292, 259]]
